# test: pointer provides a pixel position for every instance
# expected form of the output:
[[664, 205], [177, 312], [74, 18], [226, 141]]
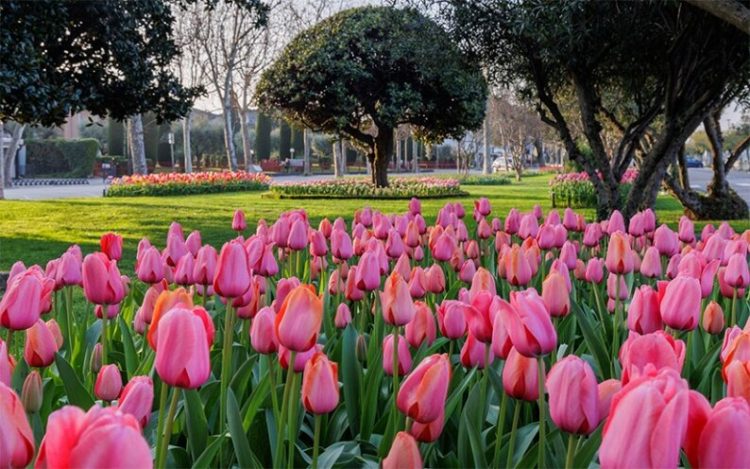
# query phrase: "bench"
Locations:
[[294, 165]]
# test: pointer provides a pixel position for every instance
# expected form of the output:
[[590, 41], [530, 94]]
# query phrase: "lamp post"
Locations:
[[252, 161], [170, 139]]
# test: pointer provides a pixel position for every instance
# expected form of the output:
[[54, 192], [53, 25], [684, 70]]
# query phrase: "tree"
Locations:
[[731, 11], [653, 89], [263, 136], [364, 71]]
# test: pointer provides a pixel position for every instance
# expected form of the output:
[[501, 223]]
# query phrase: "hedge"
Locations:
[[355, 188], [61, 158]]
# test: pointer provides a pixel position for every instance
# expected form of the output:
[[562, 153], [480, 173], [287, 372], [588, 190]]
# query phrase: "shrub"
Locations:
[[484, 180], [61, 158], [576, 190], [353, 188], [183, 184]]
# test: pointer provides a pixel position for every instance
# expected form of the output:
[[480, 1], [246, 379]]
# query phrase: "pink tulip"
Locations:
[[21, 305], [521, 376], [137, 399], [737, 273], [423, 393], [41, 347], [573, 396], [112, 311], [396, 302], [481, 314], [708, 276], [232, 277], [518, 270], [320, 385], [713, 318], [452, 318], [606, 391], [666, 241], [6, 364], [204, 267], [262, 331], [474, 353], [421, 329], [102, 283], [529, 324], [297, 239], [101, 437], [555, 295], [69, 270], [651, 264], [435, 279], [404, 453], [444, 246], [643, 313], [592, 235], [647, 422], [341, 245], [404, 357], [613, 289], [655, 350], [428, 432], [300, 358], [182, 351], [681, 305], [17, 442], [193, 242], [716, 439], [238, 221], [343, 316], [111, 245], [368, 272], [108, 383]]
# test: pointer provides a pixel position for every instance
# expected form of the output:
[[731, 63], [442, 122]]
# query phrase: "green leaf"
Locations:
[[587, 451], [457, 394], [257, 398], [245, 456], [197, 426], [77, 393], [131, 357], [351, 374], [206, 458], [594, 341]]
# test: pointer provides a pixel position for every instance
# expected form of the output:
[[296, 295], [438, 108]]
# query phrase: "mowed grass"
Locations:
[[36, 231]]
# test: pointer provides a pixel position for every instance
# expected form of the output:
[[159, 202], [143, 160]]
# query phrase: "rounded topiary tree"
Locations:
[[364, 71]]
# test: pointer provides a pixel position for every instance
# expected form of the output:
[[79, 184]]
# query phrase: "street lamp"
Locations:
[[170, 139]]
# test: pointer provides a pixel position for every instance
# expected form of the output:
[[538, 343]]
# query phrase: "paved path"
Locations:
[[699, 178]]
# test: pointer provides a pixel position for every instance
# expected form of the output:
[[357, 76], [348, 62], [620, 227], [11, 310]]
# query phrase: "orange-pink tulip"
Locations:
[[395, 300], [521, 376], [555, 295], [422, 394], [299, 319], [421, 329], [232, 277], [713, 318], [529, 324], [40, 348], [655, 350], [404, 453], [619, 258]]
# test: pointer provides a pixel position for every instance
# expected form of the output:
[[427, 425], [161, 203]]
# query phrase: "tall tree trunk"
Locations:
[[10, 157], [187, 123], [246, 148], [2, 158], [337, 158], [539, 145], [718, 187], [137, 145], [383, 154], [399, 154], [343, 157], [486, 138], [414, 154], [228, 127], [306, 138]]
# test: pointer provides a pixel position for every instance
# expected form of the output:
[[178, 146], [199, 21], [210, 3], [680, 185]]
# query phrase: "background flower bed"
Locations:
[[485, 180], [352, 188], [194, 183], [576, 190]]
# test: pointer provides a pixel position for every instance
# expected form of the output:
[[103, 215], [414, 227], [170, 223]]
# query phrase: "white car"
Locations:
[[501, 163]]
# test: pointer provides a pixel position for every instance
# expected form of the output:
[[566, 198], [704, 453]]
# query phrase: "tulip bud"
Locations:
[[238, 221], [137, 399], [96, 358], [108, 383], [361, 349], [320, 385], [404, 453], [713, 318], [343, 316], [31, 394], [40, 348], [262, 332], [54, 328], [404, 357]]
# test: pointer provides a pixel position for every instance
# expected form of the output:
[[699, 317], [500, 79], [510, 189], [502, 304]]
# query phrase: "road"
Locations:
[[699, 179]]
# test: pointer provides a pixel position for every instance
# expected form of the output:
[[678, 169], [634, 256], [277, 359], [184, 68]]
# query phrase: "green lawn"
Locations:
[[36, 231]]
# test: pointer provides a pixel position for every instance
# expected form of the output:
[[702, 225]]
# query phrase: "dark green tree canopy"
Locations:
[[376, 66], [106, 56]]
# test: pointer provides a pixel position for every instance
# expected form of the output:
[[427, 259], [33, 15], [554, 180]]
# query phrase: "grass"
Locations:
[[36, 231]]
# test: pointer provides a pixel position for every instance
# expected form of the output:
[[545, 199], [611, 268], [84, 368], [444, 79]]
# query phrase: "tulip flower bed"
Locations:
[[162, 184], [484, 180], [356, 188], [533, 341], [576, 190]]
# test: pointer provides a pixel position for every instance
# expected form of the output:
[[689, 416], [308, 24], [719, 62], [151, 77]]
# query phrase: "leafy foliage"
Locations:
[[354, 188], [62, 158]]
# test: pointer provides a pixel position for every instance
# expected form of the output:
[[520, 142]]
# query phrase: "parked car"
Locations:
[[693, 162], [501, 164]]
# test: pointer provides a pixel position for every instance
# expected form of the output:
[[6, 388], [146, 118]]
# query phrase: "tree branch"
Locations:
[[731, 11]]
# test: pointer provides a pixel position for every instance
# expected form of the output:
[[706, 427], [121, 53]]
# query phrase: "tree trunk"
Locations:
[[718, 187], [414, 154], [228, 127], [187, 123], [306, 139], [2, 158], [539, 145], [383, 154], [137, 145], [343, 157], [10, 158], [399, 153], [486, 142], [246, 149], [337, 159]]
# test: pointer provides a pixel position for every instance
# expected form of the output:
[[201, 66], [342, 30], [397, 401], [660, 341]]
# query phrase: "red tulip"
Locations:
[[102, 283], [521, 376], [647, 422], [111, 245], [238, 221], [137, 399], [299, 318], [320, 385], [643, 313], [232, 271], [182, 350], [421, 329], [41, 347], [422, 394], [681, 304], [619, 258], [101, 437], [528, 323], [573, 396], [656, 350], [395, 299], [16, 438], [108, 383], [404, 453]]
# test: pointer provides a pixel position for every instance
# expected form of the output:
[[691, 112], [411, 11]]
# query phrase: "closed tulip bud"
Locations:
[[193, 243], [421, 329], [435, 279], [528, 323], [112, 311], [673, 266], [555, 295], [474, 353], [150, 267], [592, 235], [108, 383], [299, 318], [204, 267], [300, 358], [468, 271], [31, 394], [686, 231], [396, 301], [443, 248], [404, 453], [666, 241], [518, 270], [417, 283], [529, 227], [40, 348], [655, 350], [341, 245], [512, 221], [404, 356], [111, 245], [681, 305], [262, 331], [481, 314], [422, 394], [651, 263], [21, 305], [96, 358], [182, 350], [613, 290], [343, 316], [232, 271], [137, 399], [69, 270], [17, 438], [297, 239], [428, 432], [318, 245], [619, 258], [521, 376], [737, 273], [238, 221], [643, 313], [101, 437], [713, 318], [546, 237], [183, 274], [595, 270], [606, 391], [482, 281], [368, 271], [54, 328], [102, 283], [647, 422], [573, 396], [452, 318], [351, 292], [320, 385]]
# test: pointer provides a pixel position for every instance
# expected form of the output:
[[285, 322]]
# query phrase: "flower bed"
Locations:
[[193, 183], [576, 190], [484, 180], [354, 188]]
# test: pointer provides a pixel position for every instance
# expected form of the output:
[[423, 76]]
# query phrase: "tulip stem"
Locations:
[[572, 443], [316, 442], [500, 426], [616, 325], [69, 321], [734, 308], [164, 440], [395, 370], [292, 425], [542, 413], [483, 389], [272, 380], [226, 362], [512, 440], [283, 415], [8, 340], [105, 309]]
